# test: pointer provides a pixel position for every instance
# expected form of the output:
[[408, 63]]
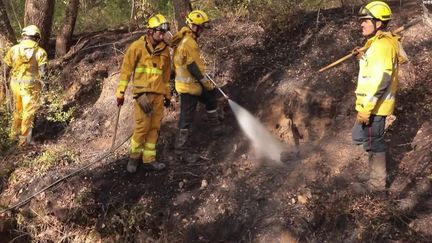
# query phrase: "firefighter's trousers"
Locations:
[[26, 96], [147, 126]]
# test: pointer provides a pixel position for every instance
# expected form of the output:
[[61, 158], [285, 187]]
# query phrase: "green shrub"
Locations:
[[56, 110], [52, 156]]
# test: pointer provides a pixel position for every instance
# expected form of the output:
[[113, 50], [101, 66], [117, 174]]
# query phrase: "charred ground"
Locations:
[[229, 195]]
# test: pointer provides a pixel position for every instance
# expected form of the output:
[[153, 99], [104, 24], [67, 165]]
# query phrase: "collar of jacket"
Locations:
[[188, 31], [386, 34], [379, 34], [28, 43], [149, 47], [395, 40], [175, 40]]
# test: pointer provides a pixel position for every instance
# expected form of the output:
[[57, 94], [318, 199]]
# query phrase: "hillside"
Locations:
[[230, 194]]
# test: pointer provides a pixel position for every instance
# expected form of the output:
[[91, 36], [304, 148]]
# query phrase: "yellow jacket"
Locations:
[[25, 59], [378, 79], [150, 68], [186, 52]]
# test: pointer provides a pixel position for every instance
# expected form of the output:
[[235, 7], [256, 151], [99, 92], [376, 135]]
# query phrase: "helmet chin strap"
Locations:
[[198, 32], [374, 21], [197, 28]]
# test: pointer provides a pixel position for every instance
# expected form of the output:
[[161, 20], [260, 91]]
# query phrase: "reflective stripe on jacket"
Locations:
[[185, 53], [25, 59], [150, 68], [378, 80]]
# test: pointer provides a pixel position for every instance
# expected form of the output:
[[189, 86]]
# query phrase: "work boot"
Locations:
[[377, 167], [132, 165], [26, 140], [153, 165], [213, 118], [213, 121], [181, 140], [26, 143]]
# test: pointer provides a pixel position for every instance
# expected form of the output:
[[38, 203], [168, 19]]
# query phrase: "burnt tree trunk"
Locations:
[[40, 13], [65, 32], [7, 36], [7, 39], [181, 8]]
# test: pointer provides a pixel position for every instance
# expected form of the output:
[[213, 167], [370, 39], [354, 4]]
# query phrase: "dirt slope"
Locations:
[[229, 195]]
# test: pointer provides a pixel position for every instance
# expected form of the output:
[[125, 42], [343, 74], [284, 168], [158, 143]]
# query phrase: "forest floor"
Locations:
[[230, 194]]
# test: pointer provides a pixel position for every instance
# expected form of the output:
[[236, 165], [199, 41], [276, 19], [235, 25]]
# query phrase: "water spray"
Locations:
[[265, 144]]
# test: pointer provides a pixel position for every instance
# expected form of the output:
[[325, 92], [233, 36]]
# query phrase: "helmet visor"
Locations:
[[163, 27], [206, 25], [364, 13]]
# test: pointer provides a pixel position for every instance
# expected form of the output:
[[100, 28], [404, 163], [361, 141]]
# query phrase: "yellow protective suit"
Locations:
[[25, 59], [378, 79], [150, 67], [186, 52]]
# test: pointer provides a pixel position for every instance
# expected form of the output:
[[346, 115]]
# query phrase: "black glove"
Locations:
[[167, 102]]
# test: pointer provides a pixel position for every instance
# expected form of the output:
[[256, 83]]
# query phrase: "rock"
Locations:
[[287, 156], [93, 237], [407, 204], [287, 237], [359, 188], [203, 184], [302, 199]]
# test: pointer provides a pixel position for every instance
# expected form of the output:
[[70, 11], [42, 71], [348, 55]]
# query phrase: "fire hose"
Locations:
[[73, 173]]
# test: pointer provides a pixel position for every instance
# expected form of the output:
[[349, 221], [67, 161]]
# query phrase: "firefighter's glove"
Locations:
[[357, 52], [363, 118], [144, 103], [120, 101], [167, 102]]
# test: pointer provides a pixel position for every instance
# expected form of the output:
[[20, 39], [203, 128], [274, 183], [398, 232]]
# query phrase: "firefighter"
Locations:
[[28, 67], [191, 82], [376, 88], [148, 61]]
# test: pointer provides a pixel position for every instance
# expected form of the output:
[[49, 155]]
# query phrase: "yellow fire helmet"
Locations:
[[198, 17], [31, 30], [158, 22], [376, 10]]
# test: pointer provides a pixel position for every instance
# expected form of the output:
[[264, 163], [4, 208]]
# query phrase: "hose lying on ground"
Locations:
[[73, 173]]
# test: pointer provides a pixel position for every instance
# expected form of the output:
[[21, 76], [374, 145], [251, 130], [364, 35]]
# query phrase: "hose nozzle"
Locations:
[[223, 93]]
